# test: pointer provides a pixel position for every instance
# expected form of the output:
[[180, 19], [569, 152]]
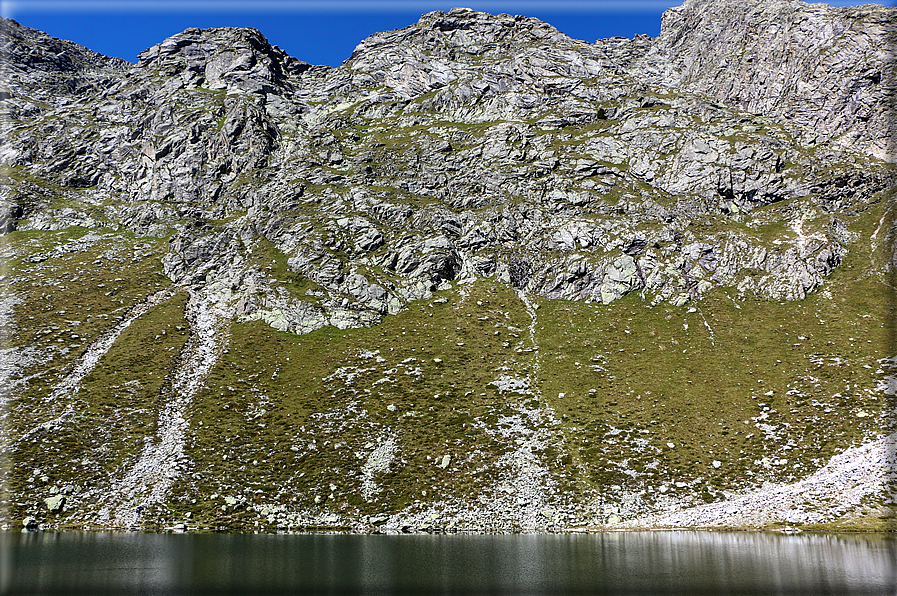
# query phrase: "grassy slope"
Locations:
[[652, 379], [612, 373], [274, 391], [66, 302], [296, 417]]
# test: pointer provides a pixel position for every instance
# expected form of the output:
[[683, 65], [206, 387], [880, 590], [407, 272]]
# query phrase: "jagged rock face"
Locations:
[[465, 149], [829, 69], [437, 147], [36, 69], [239, 60]]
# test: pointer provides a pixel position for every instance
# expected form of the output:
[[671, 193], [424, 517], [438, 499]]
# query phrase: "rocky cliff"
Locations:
[[829, 69], [244, 291]]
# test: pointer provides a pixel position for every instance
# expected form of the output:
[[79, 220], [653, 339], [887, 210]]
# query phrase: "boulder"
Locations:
[[55, 503]]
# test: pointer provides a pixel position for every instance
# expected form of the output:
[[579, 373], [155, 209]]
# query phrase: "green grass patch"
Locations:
[[66, 301], [328, 396]]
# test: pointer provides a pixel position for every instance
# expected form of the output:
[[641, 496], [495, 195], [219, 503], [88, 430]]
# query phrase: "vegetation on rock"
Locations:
[[482, 276]]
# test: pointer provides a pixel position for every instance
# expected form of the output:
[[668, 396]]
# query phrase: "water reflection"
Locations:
[[612, 563]]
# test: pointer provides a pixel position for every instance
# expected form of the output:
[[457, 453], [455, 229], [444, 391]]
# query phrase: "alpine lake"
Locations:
[[661, 563]]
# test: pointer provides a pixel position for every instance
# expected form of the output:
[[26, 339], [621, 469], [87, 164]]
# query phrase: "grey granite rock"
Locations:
[[439, 147]]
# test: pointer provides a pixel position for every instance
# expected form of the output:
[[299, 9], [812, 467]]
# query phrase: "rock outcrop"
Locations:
[[37, 70], [829, 69], [569, 153]]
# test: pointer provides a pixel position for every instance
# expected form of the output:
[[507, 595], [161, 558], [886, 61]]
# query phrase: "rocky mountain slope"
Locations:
[[480, 276]]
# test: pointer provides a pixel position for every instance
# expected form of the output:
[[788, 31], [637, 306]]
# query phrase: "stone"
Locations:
[[55, 503], [446, 460], [680, 300]]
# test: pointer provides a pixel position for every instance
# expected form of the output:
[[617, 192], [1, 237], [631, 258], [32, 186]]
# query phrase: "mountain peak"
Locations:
[[467, 31], [37, 70], [487, 27], [233, 58]]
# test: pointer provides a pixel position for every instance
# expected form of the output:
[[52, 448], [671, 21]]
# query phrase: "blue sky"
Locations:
[[317, 31]]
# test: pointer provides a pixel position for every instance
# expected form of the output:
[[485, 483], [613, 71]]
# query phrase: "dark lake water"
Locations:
[[609, 563]]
